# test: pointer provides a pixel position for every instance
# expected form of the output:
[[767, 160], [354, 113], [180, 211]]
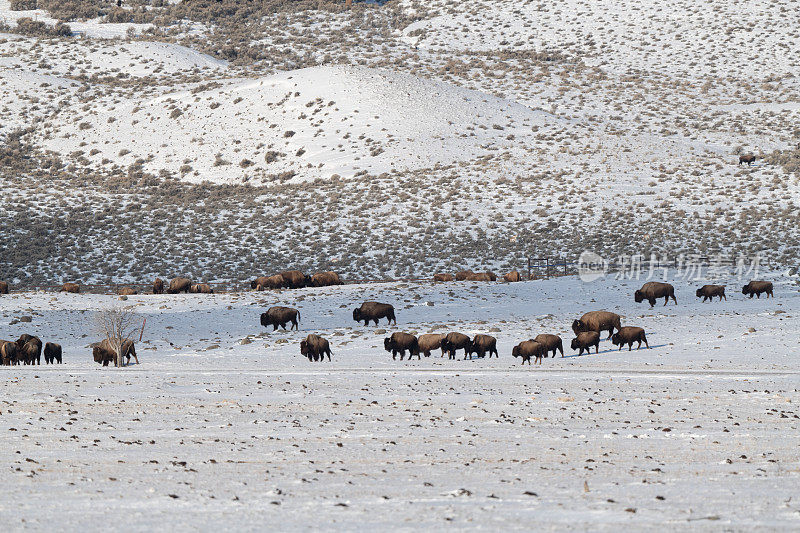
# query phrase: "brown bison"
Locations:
[[399, 342], [127, 291], [315, 348], [512, 276], [480, 276], [757, 287], [280, 316], [324, 279], [374, 311], [463, 275], [707, 292], [551, 343], [585, 340], [3, 287], [201, 288], [749, 159], [429, 342], [103, 353], [294, 279], [52, 353], [653, 290], [179, 285], [481, 345], [454, 341], [528, 349], [597, 321], [158, 286], [8, 353], [29, 350], [628, 335], [268, 282], [443, 277], [71, 287]]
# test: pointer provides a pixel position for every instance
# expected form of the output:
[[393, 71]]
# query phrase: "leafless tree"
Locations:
[[118, 325]]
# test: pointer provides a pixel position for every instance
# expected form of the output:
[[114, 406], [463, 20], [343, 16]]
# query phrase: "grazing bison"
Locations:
[[597, 321], [443, 277], [268, 282], [127, 291], [374, 311], [551, 343], [8, 353], [201, 288], [481, 345], [158, 286], [71, 287], [653, 290], [429, 342], [628, 335], [294, 279], [3, 287], [52, 353], [480, 276], [528, 349], [399, 342], [585, 340], [749, 159], [707, 292], [179, 285], [315, 348], [324, 279], [454, 341], [103, 353], [757, 287], [30, 352], [512, 276], [463, 275], [280, 316]]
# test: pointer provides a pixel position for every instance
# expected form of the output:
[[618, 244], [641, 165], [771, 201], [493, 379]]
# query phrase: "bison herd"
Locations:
[[27, 350]]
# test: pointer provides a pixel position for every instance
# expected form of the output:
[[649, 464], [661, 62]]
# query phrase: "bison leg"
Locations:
[[274, 327], [596, 348], [294, 324]]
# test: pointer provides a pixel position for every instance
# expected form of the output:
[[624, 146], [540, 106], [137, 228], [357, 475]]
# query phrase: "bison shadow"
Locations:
[[615, 349]]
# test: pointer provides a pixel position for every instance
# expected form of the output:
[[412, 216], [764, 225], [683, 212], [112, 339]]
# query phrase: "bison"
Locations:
[[3, 287], [653, 290], [268, 282], [512, 276], [315, 348], [201, 288], [52, 353], [707, 292], [179, 285], [597, 321], [481, 345], [374, 311], [280, 316], [443, 277], [400, 342], [749, 159], [551, 343], [454, 341], [463, 275], [127, 291], [528, 349], [324, 279], [429, 342], [757, 287], [294, 279], [628, 335], [30, 352], [158, 286], [71, 287], [481, 276], [585, 340], [8, 353], [103, 353]]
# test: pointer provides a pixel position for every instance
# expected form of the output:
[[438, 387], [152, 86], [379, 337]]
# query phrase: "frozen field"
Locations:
[[212, 430]]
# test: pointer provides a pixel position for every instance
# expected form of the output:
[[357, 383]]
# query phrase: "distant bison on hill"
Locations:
[[294, 279], [179, 285], [443, 277], [201, 288], [758, 287], [127, 291], [3, 287], [280, 316], [512, 277], [749, 159], [653, 290], [707, 292], [374, 311], [71, 287], [158, 286], [268, 282], [325, 279], [463, 275]]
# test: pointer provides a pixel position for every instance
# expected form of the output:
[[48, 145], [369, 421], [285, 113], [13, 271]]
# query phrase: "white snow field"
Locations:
[[224, 425]]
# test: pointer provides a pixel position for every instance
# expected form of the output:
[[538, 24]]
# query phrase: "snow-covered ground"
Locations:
[[224, 424]]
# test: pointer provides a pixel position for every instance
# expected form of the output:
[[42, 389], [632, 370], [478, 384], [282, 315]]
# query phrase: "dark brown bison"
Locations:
[[399, 342], [127, 291], [280, 316], [374, 311], [757, 287], [8, 353], [325, 279], [463, 275], [429, 342], [30, 352], [268, 282], [749, 159], [315, 348], [628, 335], [71, 287], [653, 290], [551, 343], [707, 292], [3, 287], [104, 354], [179, 285], [201, 288], [158, 286], [528, 349], [597, 321], [454, 341], [443, 277], [294, 279], [512, 276], [480, 276], [481, 345], [52, 353], [585, 340]]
